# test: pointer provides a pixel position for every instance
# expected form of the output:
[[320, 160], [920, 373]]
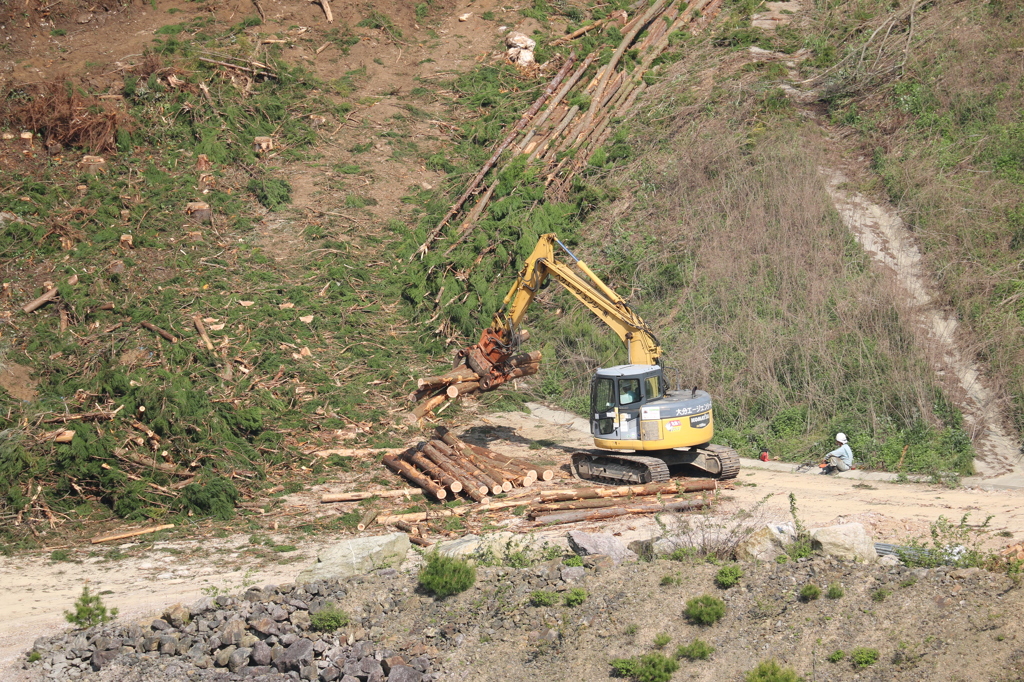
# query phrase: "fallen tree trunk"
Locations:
[[493, 486], [473, 453], [356, 497], [573, 504], [406, 471], [421, 410], [462, 388], [435, 471], [131, 533], [416, 517], [670, 488], [457, 375], [472, 487], [612, 512]]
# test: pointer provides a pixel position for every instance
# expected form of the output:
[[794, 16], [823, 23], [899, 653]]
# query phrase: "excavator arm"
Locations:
[[501, 340]]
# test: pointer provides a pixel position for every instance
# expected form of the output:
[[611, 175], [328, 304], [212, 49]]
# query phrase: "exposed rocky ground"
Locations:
[[924, 623]]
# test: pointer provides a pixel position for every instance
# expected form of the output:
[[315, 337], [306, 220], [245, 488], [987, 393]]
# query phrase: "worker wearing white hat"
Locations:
[[840, 459]]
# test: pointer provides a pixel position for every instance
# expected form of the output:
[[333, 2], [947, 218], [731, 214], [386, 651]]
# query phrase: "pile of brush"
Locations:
[[469, 379], [448, 465]]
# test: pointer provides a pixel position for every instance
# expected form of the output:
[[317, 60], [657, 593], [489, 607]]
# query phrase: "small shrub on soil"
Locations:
[[836, 656], [89, 611], [60, 555], [697, 650], [329, 618], [771, 671], [575, 596], [705, 610], [631, 629], [862, 657], [668, 580], [683, 554], [445, 576], [880, 594], [573, 560], [728, 576], [661, 639], [834, 591], [810, 592], [909, 582], [34, 656], [543, 598], [647, 668]]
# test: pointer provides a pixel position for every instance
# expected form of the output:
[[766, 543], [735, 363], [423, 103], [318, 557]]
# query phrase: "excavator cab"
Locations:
[[617, 396]]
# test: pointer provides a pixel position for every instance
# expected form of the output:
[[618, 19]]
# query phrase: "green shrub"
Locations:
[[835, 591], [543, 598], [329, 618], [705, 610], [810, 592], [445, 576], [575, 596], [728, 576], [89, 611], [771, 671], [836, 656], [862, 657], [880, 594], [60, 555], [661, 639], [667, 580], [697, 650], [270, 192], [34, 656], [647, 668], [573, 560], [631, 629], [683, 554]]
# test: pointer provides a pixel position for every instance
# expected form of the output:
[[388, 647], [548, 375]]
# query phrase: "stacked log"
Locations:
[[434, 391]]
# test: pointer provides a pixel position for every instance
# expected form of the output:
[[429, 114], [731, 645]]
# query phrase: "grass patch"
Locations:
[[329, 618], [445, 576], [654, 667], [705, 610], [697, 650]]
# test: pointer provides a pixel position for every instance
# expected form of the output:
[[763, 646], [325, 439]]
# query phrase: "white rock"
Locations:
[[465, 17], [354, 557], [525, 57], [521, 40], [848, 541]]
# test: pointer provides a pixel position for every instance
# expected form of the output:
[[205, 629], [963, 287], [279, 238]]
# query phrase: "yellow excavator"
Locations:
[[632, 409]]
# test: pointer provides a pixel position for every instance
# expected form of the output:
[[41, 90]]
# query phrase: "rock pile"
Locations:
[[263, 634]]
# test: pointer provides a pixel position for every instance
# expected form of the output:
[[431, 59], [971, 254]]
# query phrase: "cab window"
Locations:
[[603, 398], [629, 391], [653, 387]]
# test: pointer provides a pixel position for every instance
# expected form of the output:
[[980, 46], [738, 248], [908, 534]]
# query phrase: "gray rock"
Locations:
[[233, 632], [160, 624], [573, 574], [329, 674], [585, 544], [261, 654], [405, 673], [238, 658], [223, 656], [296, 656], [369, 666], [848, 541], [357, 556], [301, 620], [103, 657], [767, 543], [177, 615], [169, 644]]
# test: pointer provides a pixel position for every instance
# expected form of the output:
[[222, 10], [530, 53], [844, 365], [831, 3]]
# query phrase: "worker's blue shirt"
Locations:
[[844, 453]]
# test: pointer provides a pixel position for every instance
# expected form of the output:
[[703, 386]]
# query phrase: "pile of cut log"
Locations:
[[467, 379], [446, 465]]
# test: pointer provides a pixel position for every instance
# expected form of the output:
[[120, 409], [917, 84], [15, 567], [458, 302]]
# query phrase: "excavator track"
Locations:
[[604, 467], [728, 459]]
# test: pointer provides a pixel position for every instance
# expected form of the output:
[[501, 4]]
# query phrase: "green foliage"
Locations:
[[34, 656], [670, 580], [809, 592], [89, 611], [60, 555], [543, 598], [379, 20], [836, 656], [445, 576], [214, 496], [880, 594], [728, 576], [272, 193], [705, 610], [957, 544], [834, 591], [575, 596], [862, 657], [771, 671], [697, 650], [573, 560], [653, 667], [329, 618], [631, 630], [661, 640]]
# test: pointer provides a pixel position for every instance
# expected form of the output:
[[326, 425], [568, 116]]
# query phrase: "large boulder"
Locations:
[[848, 541], [495, 546], [586, 544], [767, 543], [355, 557]]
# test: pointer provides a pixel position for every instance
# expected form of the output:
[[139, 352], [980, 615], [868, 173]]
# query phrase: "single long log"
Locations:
[[407, 527], [366, 519], [493, 485], [455, 376], [327, 498], [462, 388], [417, 540], [507, 463], [526, 359], [540, 473], [159, 332], [406, 471], [524, 146], [612, 512], [416, 517], [131, 534], [470, 485], [536, 509], [524, 371], [436, 472], [478, 178], [670, 488], [41, 301], [421, 410], [507, 479]]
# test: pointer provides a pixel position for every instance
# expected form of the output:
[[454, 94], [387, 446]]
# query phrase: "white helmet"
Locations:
[[841, 438]]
